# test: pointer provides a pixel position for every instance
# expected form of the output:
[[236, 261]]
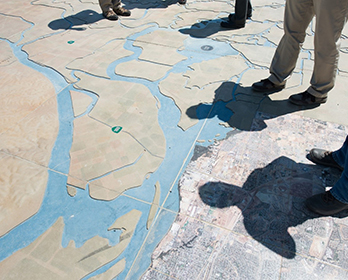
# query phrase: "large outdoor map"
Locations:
[[104, 123]]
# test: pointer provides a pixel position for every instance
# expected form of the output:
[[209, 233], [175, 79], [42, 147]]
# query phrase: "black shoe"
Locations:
[[266, 86], [122, 12], [323, 157], [325, 204], [182, 2], [231, 17], [305, 99], [231, 25]]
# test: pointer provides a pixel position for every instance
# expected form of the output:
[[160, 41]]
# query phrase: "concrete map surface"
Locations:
[[136, 149]]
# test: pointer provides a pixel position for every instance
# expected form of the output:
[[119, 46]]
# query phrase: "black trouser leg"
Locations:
[[241, 9], [250, 9]]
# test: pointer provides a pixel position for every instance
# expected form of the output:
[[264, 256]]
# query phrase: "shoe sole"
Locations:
[[298, 103], [275, 89], [323, 213], [123, 15], [111, 18], [232, 27]]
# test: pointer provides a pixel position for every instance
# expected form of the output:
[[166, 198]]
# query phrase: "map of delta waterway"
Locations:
[[135, 149]]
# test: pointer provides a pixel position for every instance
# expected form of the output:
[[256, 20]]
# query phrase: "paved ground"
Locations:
[[136, 149]]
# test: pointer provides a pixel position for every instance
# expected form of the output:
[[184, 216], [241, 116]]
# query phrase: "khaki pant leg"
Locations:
[[105, 5], [116, 3], [331, 17], [297, 16]]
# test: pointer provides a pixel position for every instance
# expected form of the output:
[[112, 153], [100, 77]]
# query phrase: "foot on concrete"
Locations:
[[325, 204], [266, 86], [305, 99], [231, 17], [231, 25], [182, 2], [323, 157], [122, 12], [110, 15]]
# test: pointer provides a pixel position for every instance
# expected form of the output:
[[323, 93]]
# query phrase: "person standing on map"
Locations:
[[243, 11], [112, 9], [331, 17], [336, 199]]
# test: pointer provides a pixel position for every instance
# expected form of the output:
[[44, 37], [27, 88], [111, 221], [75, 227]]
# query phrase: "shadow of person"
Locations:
[[204, 28], [237, 106], [149, 4], [84, 17], [272, 202]]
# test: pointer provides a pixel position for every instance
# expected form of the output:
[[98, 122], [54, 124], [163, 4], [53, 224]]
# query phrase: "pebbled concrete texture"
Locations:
[[136, 149]]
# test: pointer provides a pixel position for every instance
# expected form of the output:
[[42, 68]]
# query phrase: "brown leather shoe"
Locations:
[[305, 99], [267, 86], [122, 12], [323, 157], [110, 15], [325, 204]]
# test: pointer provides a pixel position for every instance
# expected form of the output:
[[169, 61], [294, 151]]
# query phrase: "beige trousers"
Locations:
[[106, 4], [331, 16]]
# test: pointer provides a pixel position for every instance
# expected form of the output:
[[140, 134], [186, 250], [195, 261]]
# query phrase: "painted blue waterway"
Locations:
[[85, 217]]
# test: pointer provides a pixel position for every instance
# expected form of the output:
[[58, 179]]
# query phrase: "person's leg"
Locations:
[[336, 199], [297, 16], [105, 5], [341, 154], [107, 9], [336, 159], [118, 9], [237, 20], [116, 3], [331, 17], [240, 11], [340, 189], [250, 10]]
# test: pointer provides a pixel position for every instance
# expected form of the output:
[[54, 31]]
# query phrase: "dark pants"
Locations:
[[242, 11]]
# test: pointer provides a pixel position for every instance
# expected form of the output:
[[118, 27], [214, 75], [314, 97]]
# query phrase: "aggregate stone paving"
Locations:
[[136, 149]]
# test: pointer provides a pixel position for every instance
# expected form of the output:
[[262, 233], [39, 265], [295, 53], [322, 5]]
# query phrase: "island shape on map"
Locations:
[[114, 160]]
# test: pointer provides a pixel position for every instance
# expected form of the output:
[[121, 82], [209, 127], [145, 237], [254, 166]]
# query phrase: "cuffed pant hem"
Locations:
[[275, 81], [337, 197], [316, 93]]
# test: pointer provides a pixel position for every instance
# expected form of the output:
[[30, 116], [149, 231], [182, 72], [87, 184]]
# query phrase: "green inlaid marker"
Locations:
[[71, 42], [116, 129]]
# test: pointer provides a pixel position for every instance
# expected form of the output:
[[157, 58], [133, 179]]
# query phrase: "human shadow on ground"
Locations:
[[205, 28], [238, 105], [149, 4], [272, 202], [84, 17]]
